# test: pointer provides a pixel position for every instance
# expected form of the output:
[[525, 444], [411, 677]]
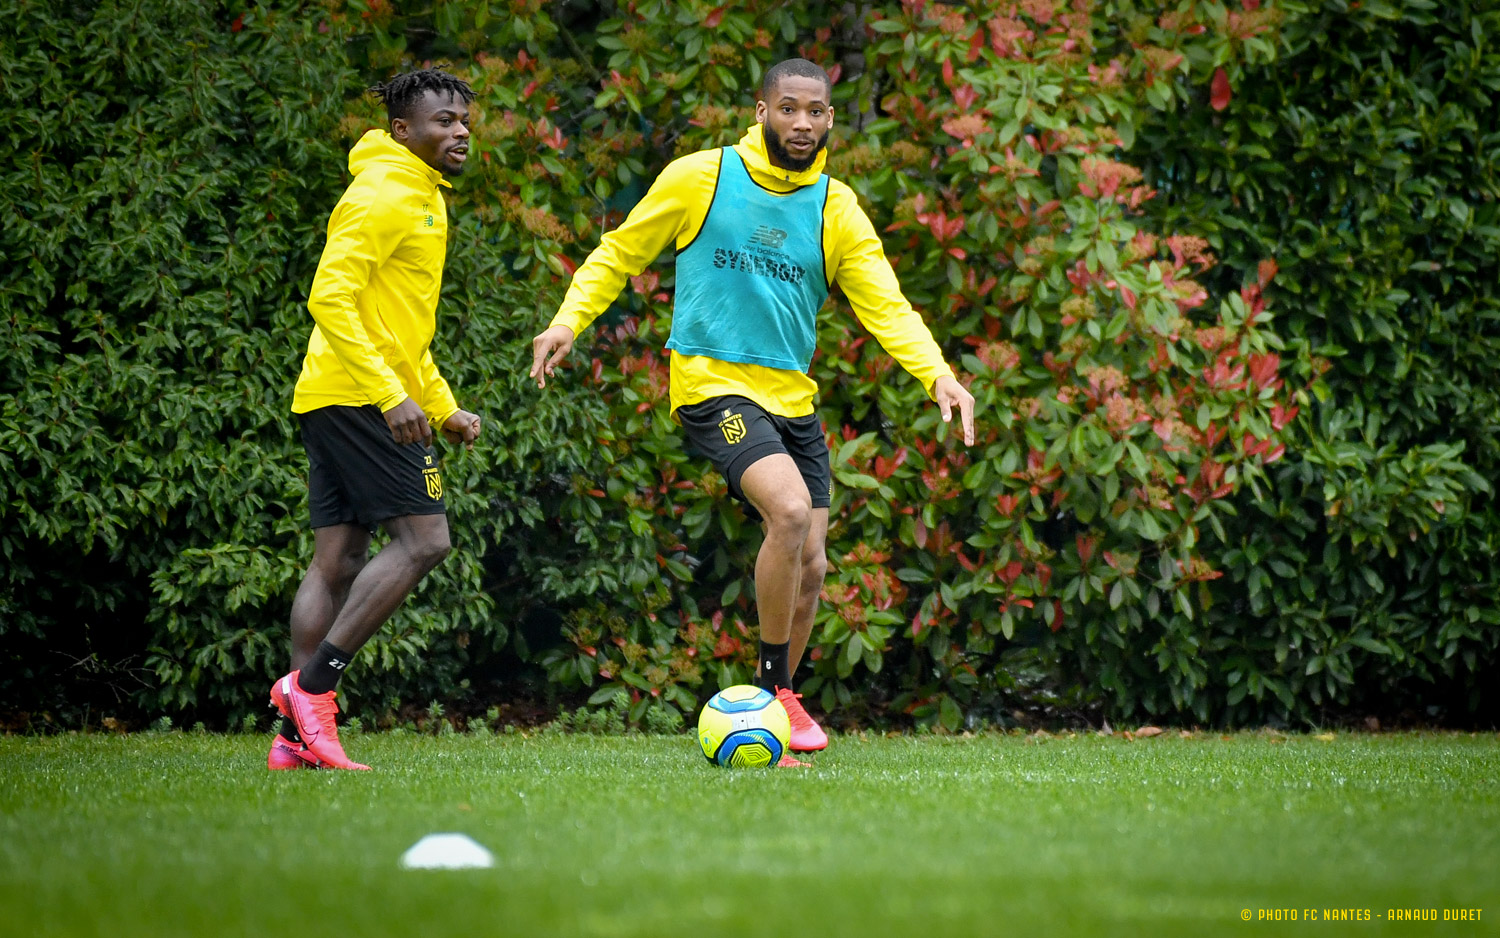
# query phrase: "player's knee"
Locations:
[[790, 518], [348, 567], [431, 550], [814, 567], [339, 568]]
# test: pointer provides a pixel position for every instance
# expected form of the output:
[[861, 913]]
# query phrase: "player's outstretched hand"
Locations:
[[547, 350], [462, 427], [949, 393], [408, 424]]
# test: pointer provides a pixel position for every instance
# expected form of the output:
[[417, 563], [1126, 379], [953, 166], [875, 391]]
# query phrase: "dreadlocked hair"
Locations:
[[400, 93], [798, 68]]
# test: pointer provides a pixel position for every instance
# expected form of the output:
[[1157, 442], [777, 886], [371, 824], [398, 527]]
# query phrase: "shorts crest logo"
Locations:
[[434, 483], [733, 426]]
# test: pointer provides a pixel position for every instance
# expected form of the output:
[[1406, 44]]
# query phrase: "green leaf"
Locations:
[[950, 715]]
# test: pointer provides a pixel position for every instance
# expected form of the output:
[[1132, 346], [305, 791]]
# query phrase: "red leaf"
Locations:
[[726, 646], [715, 16], [238, 24], [1219, 91], [1263, 370], [1086, 547], [1281, 416], [1265, 271], [645, 283]]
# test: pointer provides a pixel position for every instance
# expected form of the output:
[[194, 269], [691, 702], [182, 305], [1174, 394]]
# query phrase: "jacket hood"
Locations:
[[752, 149], [379, 147]]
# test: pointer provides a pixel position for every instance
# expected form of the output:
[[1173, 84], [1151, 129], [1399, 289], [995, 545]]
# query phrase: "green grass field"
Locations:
[[168, 834]]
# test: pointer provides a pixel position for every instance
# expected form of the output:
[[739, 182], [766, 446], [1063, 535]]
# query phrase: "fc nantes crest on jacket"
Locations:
[[750, 285]]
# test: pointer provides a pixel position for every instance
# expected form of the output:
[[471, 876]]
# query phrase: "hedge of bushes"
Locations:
[[1364, 160], [1168, 245], [165, 169]]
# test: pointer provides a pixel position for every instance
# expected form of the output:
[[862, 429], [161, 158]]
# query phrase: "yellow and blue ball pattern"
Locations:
[[744, 727]]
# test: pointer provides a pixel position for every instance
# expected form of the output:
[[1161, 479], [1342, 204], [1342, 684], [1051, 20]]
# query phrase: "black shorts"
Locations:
[[358, 474], [734, 432]]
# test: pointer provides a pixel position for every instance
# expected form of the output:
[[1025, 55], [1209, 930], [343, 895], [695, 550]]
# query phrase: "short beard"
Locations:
[[781, 157]]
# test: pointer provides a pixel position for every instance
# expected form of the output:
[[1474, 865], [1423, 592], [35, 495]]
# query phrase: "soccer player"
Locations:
[[368, 401], [761, 234]]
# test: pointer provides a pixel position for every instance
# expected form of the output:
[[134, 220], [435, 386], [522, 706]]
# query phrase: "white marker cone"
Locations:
[[446, 852]]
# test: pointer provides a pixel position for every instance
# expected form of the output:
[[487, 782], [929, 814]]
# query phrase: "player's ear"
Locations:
[[760, 112], [400, 129]]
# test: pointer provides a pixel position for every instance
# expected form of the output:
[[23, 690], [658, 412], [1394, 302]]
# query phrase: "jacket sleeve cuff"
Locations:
[[575, 321], [391, 400], [947, 371]]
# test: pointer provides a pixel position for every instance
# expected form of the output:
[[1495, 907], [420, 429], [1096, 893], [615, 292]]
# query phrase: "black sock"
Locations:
[[773, 666], [322, 672], [289, 730]]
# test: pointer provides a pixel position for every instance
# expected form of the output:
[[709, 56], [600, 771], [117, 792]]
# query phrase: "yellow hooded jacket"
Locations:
[[673, 211], [374, 298]]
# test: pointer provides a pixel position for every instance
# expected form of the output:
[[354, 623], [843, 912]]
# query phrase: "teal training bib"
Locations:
[[750, 285]]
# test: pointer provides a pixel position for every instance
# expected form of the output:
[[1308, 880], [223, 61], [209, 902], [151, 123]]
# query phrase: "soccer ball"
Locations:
[[744, 726]]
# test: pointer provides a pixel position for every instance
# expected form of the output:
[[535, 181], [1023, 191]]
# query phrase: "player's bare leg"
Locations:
[[418, 544], [809, 586], [306, 695], [775, 487], [340, 552]]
